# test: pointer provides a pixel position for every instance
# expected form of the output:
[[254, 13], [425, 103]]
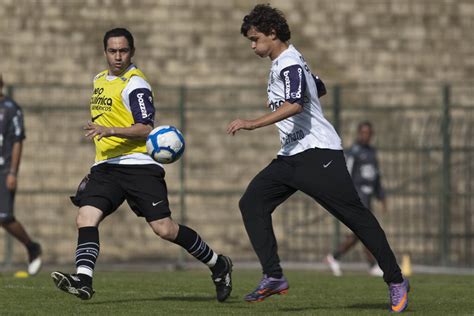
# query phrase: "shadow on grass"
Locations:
[[369, 306], [381, 307], [163, 298], [299, 309]]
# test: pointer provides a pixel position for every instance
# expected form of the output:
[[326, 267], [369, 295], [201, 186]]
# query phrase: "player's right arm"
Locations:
[[378, 188], [294, 83], [286, 110]]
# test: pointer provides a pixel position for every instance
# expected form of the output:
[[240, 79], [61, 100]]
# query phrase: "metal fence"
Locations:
[[423, 135]]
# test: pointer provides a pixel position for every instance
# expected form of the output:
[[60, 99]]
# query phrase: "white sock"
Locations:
[[213, 261], [85, 270]]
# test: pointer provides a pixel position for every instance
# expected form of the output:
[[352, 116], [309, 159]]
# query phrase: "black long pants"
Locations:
[[323, 175]]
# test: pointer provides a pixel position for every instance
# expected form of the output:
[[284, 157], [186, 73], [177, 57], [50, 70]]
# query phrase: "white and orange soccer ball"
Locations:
[[165, 144]]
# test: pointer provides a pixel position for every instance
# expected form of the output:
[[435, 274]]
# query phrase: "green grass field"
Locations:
[[192, 293]]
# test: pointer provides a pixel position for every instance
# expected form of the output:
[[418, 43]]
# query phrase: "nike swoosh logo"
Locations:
[[327, 164], [156, 203], [397, 308], [97, 116]]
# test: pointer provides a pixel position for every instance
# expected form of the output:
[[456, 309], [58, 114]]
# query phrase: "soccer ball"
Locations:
[[165, 144]]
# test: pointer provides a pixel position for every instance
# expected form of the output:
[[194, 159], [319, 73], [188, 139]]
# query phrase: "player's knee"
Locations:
[[167, 230], [85, 220], [88, 216], [250, 205], [244, 205], [4, 221], [82, 221]]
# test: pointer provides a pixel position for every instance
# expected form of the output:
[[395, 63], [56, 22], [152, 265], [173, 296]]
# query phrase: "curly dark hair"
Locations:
[[265, 19]]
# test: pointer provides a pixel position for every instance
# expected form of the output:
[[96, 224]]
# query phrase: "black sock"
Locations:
[[276, 275], [87, 252], [34, 250], [192, 242], [85, 279], [31, 246], [219, 266]]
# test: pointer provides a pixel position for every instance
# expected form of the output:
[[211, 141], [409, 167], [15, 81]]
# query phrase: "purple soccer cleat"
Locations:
[[268, 286], [399, 296]]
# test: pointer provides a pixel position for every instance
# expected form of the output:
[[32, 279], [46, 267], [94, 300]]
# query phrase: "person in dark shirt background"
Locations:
[[363, 166], [12, 133]]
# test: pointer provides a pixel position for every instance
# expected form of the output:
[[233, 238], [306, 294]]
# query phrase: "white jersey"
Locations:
[[291, 80]]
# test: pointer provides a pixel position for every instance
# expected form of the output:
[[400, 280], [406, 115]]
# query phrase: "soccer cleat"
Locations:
[[334, 265], [223, 280], [376, 271], [268, 286], [399, 296], [34, 259], [71, 283]]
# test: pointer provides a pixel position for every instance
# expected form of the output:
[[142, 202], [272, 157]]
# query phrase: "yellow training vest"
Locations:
[[107, 109]]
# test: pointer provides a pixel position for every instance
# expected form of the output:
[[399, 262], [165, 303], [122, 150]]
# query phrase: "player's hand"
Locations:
[[11, 182], [100, 131], [239, 124]]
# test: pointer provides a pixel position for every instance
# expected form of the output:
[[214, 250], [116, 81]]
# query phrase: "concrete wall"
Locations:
[[46, 45], [198, 42]]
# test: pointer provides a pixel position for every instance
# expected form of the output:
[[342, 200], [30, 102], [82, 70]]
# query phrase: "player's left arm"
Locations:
[[19, 134], [136, 131], [379, 190], [295, 87], [14, 166]]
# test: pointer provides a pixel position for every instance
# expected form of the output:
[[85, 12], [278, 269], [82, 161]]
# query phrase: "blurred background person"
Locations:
[[12, 133], [363, 166]]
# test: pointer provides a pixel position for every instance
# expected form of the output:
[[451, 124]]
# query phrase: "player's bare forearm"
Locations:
[[283, 112], [16, 156], [136, 131], [14, 166]]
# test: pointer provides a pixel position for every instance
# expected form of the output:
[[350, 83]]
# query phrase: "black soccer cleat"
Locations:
[[223, 280], [71, 283]]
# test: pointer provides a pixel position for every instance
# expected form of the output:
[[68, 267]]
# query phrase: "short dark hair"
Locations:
[[365, 124], [117, 32], [265, 19]]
